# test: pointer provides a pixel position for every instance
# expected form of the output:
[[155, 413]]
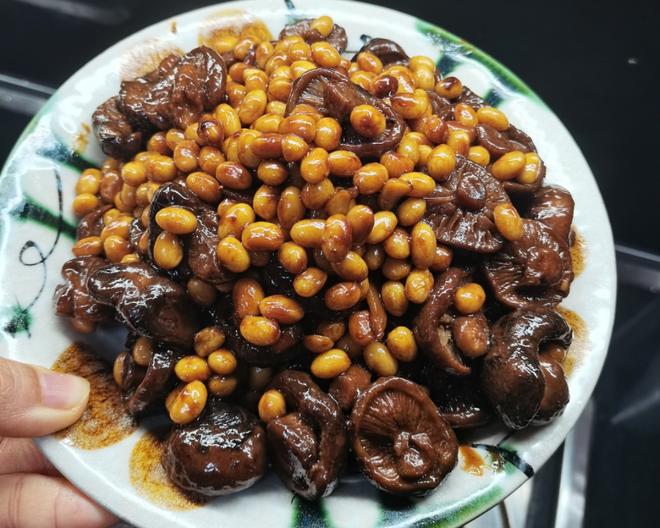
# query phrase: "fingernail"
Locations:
[[62, 391]]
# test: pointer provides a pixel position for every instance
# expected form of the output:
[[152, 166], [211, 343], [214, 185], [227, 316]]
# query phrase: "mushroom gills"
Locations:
[[401, 441]]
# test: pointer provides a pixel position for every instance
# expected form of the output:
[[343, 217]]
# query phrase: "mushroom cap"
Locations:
[[553, 206], [115, 134], [200, 245], [461, 209], [346, 387], [534, 270], [92, 223], [280, 352], [337, 36], [177, 92], [432, 328], [460, 399], [388, 51], [401, 441], [335, 95], [141, 387], [149, 304], [308, 445], [511, 375], [73, 299], [220, 453], [556, 393]]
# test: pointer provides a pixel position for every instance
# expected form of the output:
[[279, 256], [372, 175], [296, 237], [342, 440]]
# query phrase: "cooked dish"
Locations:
[[320, 258]]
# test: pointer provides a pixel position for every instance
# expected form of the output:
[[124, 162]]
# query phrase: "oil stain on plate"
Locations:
[[579, 346], [578, 249], [105, 421], [232, 23], [149, 478], [474, 463]]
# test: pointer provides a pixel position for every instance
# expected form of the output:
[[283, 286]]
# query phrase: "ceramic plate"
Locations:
[[118, 464]]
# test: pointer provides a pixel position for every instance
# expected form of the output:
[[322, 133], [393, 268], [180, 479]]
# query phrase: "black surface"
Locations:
[[595, 64]]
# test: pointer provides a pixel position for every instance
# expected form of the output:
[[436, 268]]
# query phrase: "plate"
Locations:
[[118, 465]]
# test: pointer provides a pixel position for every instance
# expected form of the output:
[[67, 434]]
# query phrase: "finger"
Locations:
[[21, 455], [38, 501], [35, 401]]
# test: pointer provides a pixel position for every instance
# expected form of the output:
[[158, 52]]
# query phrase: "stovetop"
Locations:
[[595, 65]]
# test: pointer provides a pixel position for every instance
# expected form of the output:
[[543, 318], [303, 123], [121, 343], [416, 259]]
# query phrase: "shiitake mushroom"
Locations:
[[388, 51], [461, 209], [512, 377], [222, 452], [143, 386], [307, 445], [73, 299], [92, 223], [534, 270], [447, 338], [335, 95], [400, 439], [200, 245], [149, 304], [337, 37], [553, 206], [174, 94]]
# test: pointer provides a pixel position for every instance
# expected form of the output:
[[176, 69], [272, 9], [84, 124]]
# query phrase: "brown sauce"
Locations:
[[105, 421], [578, 249], [145, 58], [234, 22], [579, 346], [82, 138], [475, 464], [149, 479]]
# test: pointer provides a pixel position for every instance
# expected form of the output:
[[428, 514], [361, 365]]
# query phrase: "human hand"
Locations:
[[33, 402]]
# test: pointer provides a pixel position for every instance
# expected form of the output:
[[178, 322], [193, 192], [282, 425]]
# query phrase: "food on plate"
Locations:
[[320, 259]]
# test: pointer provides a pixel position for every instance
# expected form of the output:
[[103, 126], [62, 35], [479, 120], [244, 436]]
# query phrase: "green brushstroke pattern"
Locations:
[[31, 210], [20, 320]]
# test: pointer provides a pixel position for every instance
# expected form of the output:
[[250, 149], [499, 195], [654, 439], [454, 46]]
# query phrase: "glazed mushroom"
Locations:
[[400, 439], [72, 299], [308, 445], [92, 223], [141, 387], [459, 399], [149, 304], [285, 349], [200, 244], [432, 326], [222, 452], [115, 134], [388, 51], [553, 206], [174, 94], [556, 393], [535, 270], [177, 92], [511, 375], [346, 387], [461, 208], [336, 37], [335, 95]]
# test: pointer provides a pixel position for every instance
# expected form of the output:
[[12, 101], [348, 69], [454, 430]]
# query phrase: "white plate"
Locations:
[[36, 234]]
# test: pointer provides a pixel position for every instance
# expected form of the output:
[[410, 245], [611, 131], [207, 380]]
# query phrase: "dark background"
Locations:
[[596, 64]]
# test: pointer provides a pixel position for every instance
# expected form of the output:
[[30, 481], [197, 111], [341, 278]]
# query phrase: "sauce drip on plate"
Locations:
[[105, 421]]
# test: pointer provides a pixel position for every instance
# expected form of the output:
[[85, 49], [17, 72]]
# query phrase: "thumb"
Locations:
[[35, 401]]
